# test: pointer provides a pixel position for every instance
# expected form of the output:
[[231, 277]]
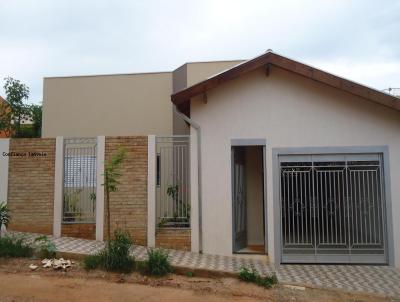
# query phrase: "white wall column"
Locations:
[[4, 149], [151, 191], [100, 161], [58, 186], [194, 192]]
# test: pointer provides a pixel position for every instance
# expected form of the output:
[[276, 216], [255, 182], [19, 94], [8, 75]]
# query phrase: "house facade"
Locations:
[[266, 156], [296, 162]]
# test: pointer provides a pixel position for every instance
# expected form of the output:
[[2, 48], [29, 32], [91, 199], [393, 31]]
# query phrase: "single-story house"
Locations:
[[294, 161], [264, 156]]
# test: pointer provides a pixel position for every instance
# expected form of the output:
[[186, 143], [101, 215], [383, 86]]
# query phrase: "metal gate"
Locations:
[[332, 209], [80, 180], [172, 183]]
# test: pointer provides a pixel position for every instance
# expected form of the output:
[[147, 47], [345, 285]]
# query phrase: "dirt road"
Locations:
[[18, 284]]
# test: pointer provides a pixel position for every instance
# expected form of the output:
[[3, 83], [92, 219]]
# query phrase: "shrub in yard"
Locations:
[[253, 276], [92, 262], [4, 215], [14, 247], [157, 263], [44, 248], [115, 256]]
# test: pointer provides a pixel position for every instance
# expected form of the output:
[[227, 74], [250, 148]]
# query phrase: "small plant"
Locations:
[[253, 276], [114, 257], [189, 274], [12, 246], [111, 181], [44, 247], [157, 263], [4, 215], [92, 262]]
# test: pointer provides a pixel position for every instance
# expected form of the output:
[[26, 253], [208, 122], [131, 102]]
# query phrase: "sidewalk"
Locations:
[[382, 280]]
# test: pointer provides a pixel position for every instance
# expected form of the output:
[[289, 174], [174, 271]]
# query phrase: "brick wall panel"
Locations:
[[129, 204], [31, 185], [177, 239]]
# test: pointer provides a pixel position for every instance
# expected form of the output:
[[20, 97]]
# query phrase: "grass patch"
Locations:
[[252, 275], [114, 257], [157, 263], [12, 246]]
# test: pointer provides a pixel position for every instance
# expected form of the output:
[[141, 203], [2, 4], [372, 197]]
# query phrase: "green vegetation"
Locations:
[[157, 263], [13, 246], [114, 257], [111, 176], [252, 275], [5, 216], [44, 248], [14, 111], [92, 262]]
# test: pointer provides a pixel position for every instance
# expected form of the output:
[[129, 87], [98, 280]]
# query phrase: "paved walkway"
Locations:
[[382, 280]]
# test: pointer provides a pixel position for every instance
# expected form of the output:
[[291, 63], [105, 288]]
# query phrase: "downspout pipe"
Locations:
[[197, 127]]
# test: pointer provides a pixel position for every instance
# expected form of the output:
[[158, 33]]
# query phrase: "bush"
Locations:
[[14, 247], [157, 263], [92, 262], [115, 256], [253, 276], [44, 247]]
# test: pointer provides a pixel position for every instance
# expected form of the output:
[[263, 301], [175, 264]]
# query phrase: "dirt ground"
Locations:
[[19, 284]]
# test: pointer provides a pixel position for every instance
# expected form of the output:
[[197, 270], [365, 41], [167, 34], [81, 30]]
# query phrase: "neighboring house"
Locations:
[[295, 161], [120, 104], [4, 103]]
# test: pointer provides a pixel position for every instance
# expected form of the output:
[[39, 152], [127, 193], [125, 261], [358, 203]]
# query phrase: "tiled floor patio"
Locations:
[[382, 280]]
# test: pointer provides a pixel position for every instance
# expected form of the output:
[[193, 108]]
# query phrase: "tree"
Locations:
[[36, 115], [16, 93], [111, 176], [5, 118]]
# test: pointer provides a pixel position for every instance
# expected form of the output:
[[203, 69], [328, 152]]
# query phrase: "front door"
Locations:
[[239, 199]]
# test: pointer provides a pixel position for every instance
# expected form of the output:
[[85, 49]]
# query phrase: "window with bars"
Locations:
[[80, 180]]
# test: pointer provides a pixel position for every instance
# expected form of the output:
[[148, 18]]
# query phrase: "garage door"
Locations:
[[332, 209]]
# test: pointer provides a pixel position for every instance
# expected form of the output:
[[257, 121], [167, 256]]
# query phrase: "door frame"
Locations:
[[247, 142], [383, 150]]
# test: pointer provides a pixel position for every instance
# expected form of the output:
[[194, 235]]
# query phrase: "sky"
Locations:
[[358, 40]]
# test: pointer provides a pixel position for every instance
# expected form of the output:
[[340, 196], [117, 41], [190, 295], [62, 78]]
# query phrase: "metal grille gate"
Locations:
[[173, 190], [332, 209], [79, 180]]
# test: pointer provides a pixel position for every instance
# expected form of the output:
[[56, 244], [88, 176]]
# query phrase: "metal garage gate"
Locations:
[[332, 209]]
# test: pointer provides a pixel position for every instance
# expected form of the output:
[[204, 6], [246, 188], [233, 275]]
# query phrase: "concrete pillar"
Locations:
[[58, 186], [100, 161], [194, 192], [4, 149], [151, 191]]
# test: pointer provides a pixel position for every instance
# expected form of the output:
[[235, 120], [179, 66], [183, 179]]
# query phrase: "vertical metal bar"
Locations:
[[296, 202], [348, 202], [292, 207], [301, 207], [315, 204], [368, 203], [374, 189]]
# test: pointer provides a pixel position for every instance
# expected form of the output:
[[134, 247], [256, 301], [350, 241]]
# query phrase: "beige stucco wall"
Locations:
[[125, 104], [131, 104], [254, 195], [198, 71], [288, 111]]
